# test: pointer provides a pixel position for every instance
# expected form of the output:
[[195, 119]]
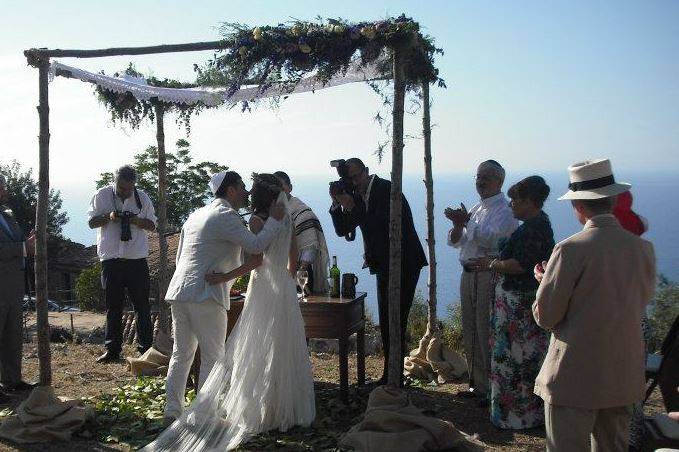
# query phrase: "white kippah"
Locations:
[[216, 181]]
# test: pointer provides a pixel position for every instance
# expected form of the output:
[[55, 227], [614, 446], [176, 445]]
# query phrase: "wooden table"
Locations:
[[330, 318]]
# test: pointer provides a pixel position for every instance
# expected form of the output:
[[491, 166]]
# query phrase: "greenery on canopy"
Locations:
[[285, 53], [125, 108]]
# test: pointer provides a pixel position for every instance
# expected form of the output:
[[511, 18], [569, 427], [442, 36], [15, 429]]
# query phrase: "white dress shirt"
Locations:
[[211, 241], [109, 245], [490, 220]]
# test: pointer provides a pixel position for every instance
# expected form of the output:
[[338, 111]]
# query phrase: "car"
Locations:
[[52, 306]]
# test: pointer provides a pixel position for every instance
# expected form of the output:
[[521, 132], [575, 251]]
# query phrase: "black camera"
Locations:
[[343, 185], [125, 230]]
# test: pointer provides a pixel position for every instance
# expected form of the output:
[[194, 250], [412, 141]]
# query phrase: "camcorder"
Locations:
[[342, 186], [125, 230]]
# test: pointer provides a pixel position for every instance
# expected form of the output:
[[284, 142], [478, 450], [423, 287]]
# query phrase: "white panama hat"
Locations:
[[593, 179]]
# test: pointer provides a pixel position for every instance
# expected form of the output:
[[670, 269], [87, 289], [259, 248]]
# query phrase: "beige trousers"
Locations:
[[477, 291], [570, 429]]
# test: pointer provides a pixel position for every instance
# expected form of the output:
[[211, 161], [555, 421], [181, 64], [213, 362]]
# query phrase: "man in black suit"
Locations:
[[368, 208]]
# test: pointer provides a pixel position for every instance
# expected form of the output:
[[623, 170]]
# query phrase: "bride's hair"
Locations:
[[265, 190]]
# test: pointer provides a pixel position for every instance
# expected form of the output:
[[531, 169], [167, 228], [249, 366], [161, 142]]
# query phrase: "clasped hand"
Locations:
[[459, 217]]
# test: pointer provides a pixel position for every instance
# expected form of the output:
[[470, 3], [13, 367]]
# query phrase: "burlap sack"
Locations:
[[44, 417], [392, 422]]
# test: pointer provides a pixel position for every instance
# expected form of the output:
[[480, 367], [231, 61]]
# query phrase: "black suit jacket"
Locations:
[[374, 225]]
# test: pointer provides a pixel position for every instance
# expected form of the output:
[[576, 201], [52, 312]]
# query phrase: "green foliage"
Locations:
[[125, 108], [417, 322], [450, 326], [241, 283], [285, 53], [22, 193], [134, 414], [88, 290], [187, 187], [664, 309]]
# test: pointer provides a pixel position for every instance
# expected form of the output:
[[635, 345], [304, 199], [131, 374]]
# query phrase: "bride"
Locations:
[[264, 381]]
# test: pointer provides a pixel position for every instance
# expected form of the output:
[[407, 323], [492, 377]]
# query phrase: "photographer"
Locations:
[[360, 199], [122, 216]]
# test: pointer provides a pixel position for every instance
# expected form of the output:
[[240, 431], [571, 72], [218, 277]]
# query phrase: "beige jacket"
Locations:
[[592, 297]]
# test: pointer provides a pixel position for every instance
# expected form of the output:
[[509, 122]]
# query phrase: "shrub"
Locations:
[[664, 309], [88, 291], [450, 325]]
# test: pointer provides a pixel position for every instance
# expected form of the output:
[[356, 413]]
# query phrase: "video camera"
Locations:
[[342, 186]]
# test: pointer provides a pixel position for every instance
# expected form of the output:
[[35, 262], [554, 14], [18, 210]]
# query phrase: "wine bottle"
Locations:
[[335, 275]]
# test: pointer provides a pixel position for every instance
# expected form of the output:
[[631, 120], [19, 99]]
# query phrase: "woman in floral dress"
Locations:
[[518, 346]]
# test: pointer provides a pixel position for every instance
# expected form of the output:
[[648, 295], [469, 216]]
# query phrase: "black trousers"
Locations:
[[409, 280], [133, 275]]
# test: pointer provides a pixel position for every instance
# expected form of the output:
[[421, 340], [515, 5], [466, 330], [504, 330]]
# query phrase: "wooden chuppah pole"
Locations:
[[117, 51], [432, 324], [44, 356], [164, 317], [395, 233]]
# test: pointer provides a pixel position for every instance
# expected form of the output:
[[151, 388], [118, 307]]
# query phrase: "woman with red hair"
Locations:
[[636, 224]]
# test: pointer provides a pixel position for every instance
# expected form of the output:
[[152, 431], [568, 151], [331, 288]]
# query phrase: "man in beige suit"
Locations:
[[592, 295]]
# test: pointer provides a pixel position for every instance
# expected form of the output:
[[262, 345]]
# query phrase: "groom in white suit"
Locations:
[[211, 241]]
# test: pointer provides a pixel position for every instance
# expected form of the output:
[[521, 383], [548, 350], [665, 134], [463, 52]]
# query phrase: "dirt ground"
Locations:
[[75, 374]]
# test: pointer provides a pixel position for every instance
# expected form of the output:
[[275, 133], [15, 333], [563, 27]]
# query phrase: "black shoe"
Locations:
[[108, 357], [466, 394], [18, 387], [482, 402]]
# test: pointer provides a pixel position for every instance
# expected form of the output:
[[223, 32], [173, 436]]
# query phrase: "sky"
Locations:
[[536, 85]]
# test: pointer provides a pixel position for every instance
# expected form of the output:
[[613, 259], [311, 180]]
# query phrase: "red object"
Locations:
[[626, 216]]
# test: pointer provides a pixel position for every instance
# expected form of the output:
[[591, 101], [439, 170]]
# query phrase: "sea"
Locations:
[[655, 194]]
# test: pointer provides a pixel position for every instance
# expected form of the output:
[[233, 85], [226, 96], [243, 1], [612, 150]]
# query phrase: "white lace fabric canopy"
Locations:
[[138, 87]]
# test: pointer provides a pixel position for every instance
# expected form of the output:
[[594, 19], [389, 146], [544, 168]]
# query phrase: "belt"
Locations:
[[469, 269]]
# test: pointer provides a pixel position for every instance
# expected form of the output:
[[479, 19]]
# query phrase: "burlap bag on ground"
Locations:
[[433, 360], [151, 363], [392, 422], [44, 417]]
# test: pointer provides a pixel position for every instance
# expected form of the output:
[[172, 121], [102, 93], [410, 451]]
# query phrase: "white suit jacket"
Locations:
[[211, 240]]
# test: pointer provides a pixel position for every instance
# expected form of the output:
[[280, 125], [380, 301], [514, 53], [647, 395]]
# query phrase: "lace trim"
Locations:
[[139, 88]]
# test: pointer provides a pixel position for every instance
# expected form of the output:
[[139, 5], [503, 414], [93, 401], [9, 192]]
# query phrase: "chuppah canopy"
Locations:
[[280, 59]]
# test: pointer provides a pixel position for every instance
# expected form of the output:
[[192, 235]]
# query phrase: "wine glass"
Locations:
[[302, 279]]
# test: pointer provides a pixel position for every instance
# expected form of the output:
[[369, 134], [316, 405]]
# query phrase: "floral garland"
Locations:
[[125, 108], [286, 53]]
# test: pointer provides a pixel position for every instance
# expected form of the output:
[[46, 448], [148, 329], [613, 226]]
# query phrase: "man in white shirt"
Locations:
[[477, 233], [313, 250], [211, 242], [123, 215]]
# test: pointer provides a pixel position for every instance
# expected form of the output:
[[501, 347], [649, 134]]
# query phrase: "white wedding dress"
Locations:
[[264, 381]]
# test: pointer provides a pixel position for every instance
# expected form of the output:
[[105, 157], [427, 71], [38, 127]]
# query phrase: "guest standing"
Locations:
[[517, 344], [123, 216], [313, 250], [593, 293], [14, 246], [477, 233]]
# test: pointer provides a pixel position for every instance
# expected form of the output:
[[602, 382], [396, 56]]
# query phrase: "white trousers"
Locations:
[[194, 324]]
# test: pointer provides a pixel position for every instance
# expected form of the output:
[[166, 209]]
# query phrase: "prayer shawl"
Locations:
[[310, 237]]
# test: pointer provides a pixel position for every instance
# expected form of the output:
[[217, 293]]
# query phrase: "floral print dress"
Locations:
[[517, 344]]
